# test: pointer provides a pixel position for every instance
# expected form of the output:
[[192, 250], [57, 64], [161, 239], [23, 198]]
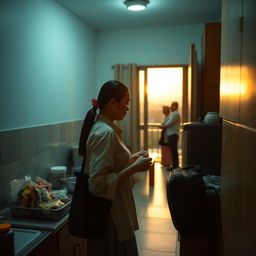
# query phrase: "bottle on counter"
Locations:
[[6, 239]]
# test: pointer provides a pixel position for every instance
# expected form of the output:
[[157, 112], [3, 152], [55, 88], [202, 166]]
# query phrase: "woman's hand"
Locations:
[[142, 164], [138, 154]]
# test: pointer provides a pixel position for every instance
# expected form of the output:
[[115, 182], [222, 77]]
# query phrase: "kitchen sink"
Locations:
[[24, 238]]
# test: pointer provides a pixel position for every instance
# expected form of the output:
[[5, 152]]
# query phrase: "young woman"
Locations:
[[109, 165]]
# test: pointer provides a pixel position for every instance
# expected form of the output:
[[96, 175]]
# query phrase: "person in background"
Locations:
[[166, 156], [172, 128], [109, 164]]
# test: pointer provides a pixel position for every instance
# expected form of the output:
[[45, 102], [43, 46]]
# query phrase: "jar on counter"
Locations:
[[56, 175], [6, 239]]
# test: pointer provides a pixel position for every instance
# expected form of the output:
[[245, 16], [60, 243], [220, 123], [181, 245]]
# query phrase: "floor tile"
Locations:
[[157, 212], [156, 241], [141, 210], [157, 225], [157, 235], [155, 253]]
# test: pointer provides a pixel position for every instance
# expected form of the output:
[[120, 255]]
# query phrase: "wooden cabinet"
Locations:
[[48, 247], [70, 245], [61, 243], [248, 62], [238, 104], [238, 206], [246, 221], [211, 67], [229, 182], [231, 40], [238, 62]]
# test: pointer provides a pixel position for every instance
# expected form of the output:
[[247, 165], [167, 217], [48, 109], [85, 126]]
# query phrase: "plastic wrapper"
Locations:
[[35, 200], [34, 194], [17, 185]]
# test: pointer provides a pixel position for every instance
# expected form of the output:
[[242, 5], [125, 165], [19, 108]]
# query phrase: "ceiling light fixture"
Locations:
[[136, 5]]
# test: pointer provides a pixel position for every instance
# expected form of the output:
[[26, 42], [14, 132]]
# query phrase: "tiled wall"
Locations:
[[33, 151]]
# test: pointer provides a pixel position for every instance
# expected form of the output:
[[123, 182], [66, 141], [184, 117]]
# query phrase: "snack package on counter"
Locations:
[[33, 195], [53, 204], [45, 189], [37, 195], [25, 197]]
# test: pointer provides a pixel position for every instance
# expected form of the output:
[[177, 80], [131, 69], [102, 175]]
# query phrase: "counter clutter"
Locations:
[[38, 200], [44, 237], [39, 221], [30, 233]]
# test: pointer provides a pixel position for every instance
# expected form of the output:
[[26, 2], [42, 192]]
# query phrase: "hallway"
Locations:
[[156, 236]]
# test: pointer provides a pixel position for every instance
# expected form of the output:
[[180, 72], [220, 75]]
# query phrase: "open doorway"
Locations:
[[158, 87]]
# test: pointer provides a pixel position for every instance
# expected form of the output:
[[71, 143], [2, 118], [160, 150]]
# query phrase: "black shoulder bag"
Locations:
[[88, 213]]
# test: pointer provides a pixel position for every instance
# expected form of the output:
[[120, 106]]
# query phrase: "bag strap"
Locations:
[[83, 165]]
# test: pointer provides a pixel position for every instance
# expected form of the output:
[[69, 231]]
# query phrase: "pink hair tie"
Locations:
[[95, 103]]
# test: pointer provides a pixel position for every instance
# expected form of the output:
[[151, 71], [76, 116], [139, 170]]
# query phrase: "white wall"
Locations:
[[47, 64], [48, 69], [145, 46]]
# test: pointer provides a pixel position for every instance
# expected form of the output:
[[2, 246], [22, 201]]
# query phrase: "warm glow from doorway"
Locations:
[[158, 87], [163, 86], [160, 80]]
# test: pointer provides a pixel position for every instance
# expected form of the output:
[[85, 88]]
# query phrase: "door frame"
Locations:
[[185, 106]]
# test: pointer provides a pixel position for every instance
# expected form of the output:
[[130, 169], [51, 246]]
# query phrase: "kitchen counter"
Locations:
[[26, 240], [23, 227], [51, 225]]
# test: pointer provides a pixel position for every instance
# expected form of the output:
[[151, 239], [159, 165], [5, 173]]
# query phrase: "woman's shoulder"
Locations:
[[101, 135], [102, 129]]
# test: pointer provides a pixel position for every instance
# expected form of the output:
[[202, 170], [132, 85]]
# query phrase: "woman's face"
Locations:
[[166, 110], [122, 107]]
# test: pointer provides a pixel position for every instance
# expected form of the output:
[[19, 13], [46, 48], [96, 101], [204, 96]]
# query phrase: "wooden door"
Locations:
[[231, 38], [192, 89], [229, 188], [248, 75], [211, 67]]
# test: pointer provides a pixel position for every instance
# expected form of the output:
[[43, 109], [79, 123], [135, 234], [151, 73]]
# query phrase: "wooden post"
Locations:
[[152, 173]]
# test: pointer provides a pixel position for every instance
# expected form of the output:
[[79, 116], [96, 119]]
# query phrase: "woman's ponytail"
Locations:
[[86, 128]]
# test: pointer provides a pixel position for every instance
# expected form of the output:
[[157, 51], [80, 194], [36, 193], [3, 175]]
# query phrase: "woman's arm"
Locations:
[[102, 181], [172, 120], [141, 164]]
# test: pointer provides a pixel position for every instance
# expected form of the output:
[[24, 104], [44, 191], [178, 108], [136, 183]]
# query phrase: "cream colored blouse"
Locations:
[[106, 156]]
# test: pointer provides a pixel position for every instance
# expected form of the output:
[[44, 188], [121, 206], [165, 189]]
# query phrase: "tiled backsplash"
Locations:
[[33, 151]]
